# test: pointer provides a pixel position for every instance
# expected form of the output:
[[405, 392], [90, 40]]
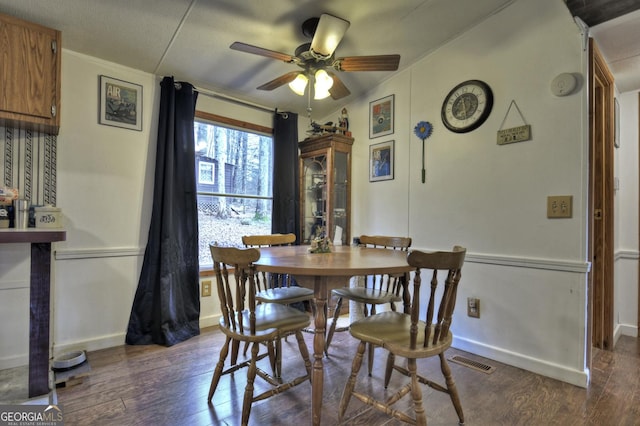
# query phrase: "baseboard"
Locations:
[[102, 342], [624, 330], [112, 340], [14, 361], [209, 321], [555, 371]]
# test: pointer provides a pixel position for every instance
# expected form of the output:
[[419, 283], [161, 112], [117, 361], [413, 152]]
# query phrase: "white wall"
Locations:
[[528, 271], [14, 304], [626, 205], [104, 189]]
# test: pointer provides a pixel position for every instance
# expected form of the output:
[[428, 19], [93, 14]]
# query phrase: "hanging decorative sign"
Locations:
[[423, 130], [514, 134]]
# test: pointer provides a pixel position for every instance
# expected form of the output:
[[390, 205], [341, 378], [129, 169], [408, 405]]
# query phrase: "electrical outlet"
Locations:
[[473, 307], [206, 288]]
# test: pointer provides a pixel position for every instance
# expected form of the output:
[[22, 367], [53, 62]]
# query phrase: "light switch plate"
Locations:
[[559, 206]]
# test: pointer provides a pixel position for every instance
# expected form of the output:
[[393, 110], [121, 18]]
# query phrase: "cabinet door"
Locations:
[[314, 197], [30, 66], [340, 201]]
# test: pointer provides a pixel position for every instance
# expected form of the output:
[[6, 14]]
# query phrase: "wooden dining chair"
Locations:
[[244, 320], [405, 335], [377, 290], [277, 288]]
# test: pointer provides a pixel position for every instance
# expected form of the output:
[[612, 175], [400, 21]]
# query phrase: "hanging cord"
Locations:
[[513, 102], [309, 105]]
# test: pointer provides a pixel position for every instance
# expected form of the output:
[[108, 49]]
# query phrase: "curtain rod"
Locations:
[[233, 100]]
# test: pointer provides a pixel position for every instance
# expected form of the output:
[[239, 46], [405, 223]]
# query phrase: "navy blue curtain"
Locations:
[[166, 307], [285, 211]]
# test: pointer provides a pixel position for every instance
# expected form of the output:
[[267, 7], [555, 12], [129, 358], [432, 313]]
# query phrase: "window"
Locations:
[[234, 182], [205, 172]]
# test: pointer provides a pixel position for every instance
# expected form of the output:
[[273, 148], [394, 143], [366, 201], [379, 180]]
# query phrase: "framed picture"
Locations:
[[381, 159], [120, 103], [381, 117]]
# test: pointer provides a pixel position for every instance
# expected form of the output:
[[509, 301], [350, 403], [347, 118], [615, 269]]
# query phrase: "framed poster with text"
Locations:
[[120, 103]]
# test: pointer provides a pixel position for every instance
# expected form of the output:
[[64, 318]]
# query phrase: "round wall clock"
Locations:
[[467, 106]]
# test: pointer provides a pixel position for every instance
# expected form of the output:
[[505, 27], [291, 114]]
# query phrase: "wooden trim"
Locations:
[[232, 122], [206, 272], [600, 240]]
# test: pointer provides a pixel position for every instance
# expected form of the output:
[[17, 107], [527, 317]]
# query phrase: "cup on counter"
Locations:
[[21, 214]]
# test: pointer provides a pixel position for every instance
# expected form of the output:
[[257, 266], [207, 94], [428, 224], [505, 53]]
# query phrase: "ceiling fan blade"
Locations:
[[328, 35], [277, 82], [243, 47], [338, 89], [368, 63]]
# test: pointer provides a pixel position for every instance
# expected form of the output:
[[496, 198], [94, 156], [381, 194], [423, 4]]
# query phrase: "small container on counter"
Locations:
[[4, 216], [48, 217]]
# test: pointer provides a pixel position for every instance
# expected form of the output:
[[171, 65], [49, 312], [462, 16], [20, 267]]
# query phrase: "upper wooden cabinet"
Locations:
[[30, 75]]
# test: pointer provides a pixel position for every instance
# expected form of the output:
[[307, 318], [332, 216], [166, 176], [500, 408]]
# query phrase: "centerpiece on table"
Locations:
[[320, 243]]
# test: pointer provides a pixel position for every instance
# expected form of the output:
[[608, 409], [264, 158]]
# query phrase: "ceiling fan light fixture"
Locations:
[[323, 80], [299, 84], [319, 93], [323, 83], [328, 35]]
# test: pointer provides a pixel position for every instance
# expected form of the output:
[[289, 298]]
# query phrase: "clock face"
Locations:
[[467, 106]]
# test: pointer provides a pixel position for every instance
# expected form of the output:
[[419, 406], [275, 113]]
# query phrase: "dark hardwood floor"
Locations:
[[154, 385]]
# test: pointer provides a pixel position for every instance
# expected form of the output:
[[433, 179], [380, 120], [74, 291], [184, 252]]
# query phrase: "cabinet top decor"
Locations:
[[324, 141]]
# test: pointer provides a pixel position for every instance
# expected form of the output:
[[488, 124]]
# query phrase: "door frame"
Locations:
[[600, 301]]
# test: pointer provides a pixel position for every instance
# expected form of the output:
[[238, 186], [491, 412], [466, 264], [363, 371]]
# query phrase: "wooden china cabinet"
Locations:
[[325, 188]]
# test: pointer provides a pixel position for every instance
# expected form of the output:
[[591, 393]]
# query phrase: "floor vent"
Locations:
[[479, 366]]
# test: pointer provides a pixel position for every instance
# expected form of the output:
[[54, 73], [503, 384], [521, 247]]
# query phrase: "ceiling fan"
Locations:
[[317, 59]]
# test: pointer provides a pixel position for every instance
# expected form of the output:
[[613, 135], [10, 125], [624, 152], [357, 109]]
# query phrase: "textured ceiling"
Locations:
[[190, 39]]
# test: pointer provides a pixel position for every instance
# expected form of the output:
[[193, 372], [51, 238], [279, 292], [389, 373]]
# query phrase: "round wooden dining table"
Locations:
[[323, 272]]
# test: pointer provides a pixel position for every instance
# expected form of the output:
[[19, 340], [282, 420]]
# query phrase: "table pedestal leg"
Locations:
[[321, 285], [317, 384]]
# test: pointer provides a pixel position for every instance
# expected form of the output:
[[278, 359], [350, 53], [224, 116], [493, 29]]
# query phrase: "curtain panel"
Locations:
[[166, 307], [285, 210]]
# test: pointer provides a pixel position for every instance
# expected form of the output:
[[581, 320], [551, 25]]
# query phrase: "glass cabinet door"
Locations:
[[339, 202], [314, 202]]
